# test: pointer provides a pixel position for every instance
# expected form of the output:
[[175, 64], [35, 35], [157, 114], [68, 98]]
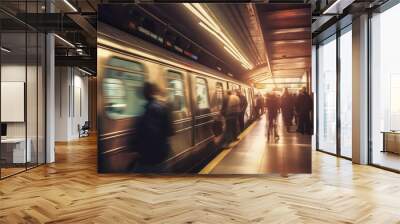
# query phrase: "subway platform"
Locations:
[[253, 154]]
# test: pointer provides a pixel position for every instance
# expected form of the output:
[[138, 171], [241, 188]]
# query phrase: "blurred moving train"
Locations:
[[195, 92]]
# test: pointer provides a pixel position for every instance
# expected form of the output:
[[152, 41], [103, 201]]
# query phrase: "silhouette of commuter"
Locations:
[[153, 129], [259, 105], [272, 105], [287, 108], [231, 109], [304, 108], [243, 107]]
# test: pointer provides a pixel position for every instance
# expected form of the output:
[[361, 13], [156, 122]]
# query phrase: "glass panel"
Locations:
[[385, 84], [327, 96], [123, 89], [176, 91], [202, 94], [346, 94], [13, 85], [41, 98], [31, 98]]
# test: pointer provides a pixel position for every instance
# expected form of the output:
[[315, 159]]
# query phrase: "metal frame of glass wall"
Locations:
[[335, 36], [27, 55]]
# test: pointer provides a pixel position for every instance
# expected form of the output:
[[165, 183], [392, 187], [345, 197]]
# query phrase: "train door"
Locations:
[[120, 83], [179, 101], [203, 118], [216, 90]]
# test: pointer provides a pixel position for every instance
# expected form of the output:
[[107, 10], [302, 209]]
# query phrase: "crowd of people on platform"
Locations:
[[296, 110]]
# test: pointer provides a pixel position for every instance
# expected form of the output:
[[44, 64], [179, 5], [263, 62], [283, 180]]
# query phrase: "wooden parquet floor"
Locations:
[[71, 191]]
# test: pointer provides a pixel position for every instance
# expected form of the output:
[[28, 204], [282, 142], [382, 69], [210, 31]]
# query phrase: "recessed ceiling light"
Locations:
[[5, 50], [84, 71], [70, 5], [64, 40]]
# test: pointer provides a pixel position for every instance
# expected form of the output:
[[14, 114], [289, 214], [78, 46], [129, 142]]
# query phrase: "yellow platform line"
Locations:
[[211, 165]]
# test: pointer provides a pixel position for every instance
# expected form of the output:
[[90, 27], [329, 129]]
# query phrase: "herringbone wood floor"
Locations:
[[71, 191]]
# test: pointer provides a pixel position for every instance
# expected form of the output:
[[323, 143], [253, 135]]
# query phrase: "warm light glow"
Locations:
[[70, 5], [65, 41], [211, 26], [290, 30]]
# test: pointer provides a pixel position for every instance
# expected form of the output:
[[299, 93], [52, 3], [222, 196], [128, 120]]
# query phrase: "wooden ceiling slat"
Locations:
[[288, 30]]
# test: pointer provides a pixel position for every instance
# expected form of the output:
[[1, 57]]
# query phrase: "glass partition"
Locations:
[[346, 92], [327, 95], [385, 89], [31, 98], [13, 92], [22, 93]]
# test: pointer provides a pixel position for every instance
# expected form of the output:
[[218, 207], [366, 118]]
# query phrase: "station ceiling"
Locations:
[[269, 40]]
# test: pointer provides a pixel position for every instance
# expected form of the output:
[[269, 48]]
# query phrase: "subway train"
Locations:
[[195, 93]]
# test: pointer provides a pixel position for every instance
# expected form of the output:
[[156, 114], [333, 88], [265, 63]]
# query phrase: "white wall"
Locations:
[[71, 102], [12, 73], [33, 126]]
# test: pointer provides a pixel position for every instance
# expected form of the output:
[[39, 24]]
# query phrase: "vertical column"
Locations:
[[92, 89], [338, 91], [50, 92], [360, 90], [314, 95]]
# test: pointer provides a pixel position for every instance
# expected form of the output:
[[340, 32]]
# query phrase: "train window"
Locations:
[[129, 65], [202, 94], [123, 86], [176, 91], [219, 95]]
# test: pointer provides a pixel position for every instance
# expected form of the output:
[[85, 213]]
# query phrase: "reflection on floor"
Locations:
[[71, 191], [255, 155], [10, 171], [387, 159]]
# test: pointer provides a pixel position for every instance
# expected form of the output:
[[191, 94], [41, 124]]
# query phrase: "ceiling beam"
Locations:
[[288, 13], [85, 61], [291, 60], [84, 24]]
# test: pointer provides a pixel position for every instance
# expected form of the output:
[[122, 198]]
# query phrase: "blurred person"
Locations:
[[259, 105], [287, 108], [243, 107], [297, 106], [293, 98], [304, 108], [272, 105], [279, 100], [256, 106], [153, 130], [231, 110]]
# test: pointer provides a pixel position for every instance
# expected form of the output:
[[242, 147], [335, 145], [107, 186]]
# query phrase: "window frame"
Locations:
[[201, 110], [185, 95], [219, 83]]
